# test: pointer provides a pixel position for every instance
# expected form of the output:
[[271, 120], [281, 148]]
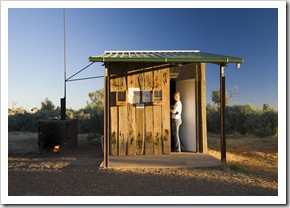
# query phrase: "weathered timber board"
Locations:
[[149, 130], [113, 140], [157, 145], [157, 79], [139, 116], [148, 85], [140, 131], [166, 139], [157, 110], [131, 122], [122, 120], [148, 82], [113, 84], [122, 130], [114, 131], [131, 147]]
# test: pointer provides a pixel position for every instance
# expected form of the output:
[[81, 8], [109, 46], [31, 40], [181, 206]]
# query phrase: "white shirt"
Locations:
[[176, 111]]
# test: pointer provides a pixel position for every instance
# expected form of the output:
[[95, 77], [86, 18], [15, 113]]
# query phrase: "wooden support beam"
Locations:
[[197, 98], [202, 107], [222, 114], [106, 118], [200, 96]]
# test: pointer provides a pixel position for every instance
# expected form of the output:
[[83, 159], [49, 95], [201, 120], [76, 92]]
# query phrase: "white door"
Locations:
[[187, 129]]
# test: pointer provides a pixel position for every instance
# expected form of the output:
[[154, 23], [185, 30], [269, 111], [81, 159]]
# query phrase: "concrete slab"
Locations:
[[173, 160]]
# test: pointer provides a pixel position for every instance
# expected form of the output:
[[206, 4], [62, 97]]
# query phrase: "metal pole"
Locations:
[[64, 50], [63, 101], [222, 114]]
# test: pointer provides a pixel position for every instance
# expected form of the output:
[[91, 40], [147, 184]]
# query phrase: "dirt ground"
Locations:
[[252, 170]]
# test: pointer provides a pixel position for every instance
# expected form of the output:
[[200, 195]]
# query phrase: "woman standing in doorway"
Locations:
[[176, 120]]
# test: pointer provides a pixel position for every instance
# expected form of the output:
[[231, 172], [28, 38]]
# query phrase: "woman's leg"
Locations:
[[175, 130], [177, 124]]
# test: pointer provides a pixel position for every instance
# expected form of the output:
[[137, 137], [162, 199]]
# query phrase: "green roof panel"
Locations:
[[189, 56]]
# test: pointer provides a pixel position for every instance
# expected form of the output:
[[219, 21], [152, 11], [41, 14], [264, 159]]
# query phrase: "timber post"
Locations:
[[106, 118], [222, 114]]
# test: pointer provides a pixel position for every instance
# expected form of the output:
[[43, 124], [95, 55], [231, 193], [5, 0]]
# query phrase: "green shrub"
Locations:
[[90, 118], [245, 120]]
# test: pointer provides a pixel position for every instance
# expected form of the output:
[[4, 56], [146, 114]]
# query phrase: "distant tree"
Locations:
[[14, 111], [215, 95], [266, 107], [47, 105], [97, 100]]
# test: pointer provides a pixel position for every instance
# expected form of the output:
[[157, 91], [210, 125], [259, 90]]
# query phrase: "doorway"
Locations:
[[187, 129]]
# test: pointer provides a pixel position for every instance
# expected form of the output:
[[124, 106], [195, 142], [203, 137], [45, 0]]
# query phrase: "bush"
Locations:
[[213, 118], [19, 122], [266, 124], [90, 119], [236, 116], [244, 119]]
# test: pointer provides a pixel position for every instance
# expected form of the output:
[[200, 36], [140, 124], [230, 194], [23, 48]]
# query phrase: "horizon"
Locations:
[[58, 106]]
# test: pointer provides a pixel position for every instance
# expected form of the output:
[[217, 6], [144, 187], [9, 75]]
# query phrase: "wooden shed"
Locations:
[[139, 87]]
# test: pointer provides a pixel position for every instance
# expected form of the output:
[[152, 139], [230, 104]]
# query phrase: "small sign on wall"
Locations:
[[146, 96], [121, 97], [157, 96], [134, 95]]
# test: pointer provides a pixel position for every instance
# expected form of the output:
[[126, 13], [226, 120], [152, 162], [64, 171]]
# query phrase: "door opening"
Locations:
[[187, 130]]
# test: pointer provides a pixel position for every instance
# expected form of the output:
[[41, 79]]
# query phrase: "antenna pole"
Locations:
[[63, 100], [64, 51]]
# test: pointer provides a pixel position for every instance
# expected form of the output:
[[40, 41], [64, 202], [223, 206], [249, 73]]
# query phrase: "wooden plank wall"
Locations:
[[139, 130]]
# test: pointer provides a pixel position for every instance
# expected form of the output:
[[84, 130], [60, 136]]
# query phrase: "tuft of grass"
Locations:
[[234, 167]]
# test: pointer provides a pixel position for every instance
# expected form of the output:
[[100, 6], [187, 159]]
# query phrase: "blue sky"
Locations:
[[36, 42]]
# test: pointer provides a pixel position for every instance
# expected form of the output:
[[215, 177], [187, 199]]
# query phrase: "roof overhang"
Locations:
[[175, 56]]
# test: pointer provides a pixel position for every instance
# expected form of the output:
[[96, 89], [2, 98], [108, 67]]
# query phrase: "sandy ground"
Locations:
[[252, 170]]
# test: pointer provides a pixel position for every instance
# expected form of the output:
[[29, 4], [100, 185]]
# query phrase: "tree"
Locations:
[[215, 95], [266, 107], [95, 112], [47, 105], [97, 100]]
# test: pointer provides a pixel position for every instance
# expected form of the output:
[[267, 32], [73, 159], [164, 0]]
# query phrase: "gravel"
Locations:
[[78, 173]]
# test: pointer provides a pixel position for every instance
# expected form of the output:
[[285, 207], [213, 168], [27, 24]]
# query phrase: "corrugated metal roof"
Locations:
[[188, 56]]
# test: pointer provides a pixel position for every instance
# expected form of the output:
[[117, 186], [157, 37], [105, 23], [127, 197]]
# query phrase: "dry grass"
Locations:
[[249, 154]]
